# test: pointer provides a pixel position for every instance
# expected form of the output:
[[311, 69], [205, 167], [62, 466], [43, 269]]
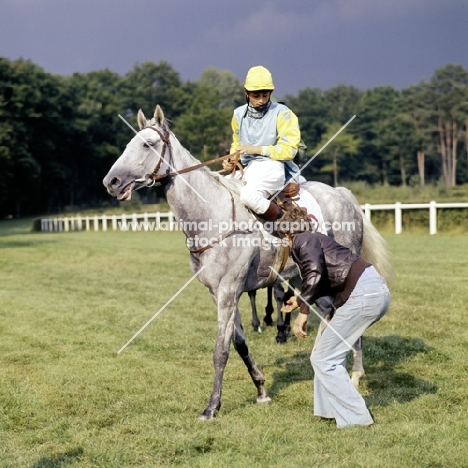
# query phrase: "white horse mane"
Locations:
[[234, 185]]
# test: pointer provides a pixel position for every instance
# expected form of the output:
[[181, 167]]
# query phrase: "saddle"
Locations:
[[289, 193], [279, 202]]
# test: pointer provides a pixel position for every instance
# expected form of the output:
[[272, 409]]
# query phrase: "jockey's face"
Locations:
[[258, 98]]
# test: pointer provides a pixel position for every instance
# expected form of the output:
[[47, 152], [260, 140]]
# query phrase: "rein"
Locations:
[[154, 176]]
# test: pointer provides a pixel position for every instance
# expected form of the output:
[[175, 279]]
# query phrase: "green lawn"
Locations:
[[70, 301]]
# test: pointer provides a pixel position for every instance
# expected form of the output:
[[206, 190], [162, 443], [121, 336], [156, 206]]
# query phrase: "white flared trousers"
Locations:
[[335, 396]]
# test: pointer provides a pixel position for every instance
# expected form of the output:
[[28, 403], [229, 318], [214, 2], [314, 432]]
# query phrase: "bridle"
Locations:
[[154, 177]]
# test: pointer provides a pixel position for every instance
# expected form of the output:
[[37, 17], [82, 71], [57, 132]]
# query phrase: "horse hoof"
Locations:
[[280, 339], [264, 400], [259, 329], [207, 415], [356, 377]]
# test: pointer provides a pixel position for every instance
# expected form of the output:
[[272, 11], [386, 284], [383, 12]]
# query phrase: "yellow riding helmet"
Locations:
[[259, 78]]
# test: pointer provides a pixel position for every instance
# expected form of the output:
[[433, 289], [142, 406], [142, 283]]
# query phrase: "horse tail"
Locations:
[[374, 247], [375, 250]]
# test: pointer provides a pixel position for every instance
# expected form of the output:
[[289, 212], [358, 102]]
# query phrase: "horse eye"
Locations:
[[147, 144]]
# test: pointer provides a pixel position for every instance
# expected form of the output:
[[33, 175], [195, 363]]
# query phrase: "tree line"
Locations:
[[59, 135]]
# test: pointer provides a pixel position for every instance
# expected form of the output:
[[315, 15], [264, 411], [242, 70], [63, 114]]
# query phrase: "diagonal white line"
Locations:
[[155, 152], [319, 151], [161, 309], [315, 312]]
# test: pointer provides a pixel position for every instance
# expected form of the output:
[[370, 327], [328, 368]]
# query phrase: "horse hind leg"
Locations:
[[240, 345], [287, 317], [284, 321], [269, 309], [357, 371], [255, 320]]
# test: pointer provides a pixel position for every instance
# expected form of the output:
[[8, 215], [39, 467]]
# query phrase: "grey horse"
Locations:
[[224, 242]]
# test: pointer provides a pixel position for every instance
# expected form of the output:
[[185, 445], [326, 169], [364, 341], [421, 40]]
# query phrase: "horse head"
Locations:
[[143, 157]]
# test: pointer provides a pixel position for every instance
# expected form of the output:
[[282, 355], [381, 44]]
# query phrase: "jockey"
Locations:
[[267, 135]]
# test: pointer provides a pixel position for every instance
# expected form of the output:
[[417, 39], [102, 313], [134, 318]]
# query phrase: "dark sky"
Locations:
[[305, 43]]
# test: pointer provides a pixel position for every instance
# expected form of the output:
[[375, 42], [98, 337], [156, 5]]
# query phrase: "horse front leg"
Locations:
[[240, 345], [230, 328], [253, 305], [220, 358]]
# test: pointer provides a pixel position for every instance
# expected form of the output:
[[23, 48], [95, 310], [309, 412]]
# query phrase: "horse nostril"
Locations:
[[115, 181]]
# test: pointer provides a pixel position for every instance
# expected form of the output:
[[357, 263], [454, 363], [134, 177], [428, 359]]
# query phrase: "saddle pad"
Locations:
[[307, 201]]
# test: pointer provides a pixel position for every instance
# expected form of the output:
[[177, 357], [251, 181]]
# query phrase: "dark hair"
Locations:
[[294, 221]]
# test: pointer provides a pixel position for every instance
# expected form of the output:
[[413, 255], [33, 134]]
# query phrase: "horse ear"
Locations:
[[159, 117], [141, 119]]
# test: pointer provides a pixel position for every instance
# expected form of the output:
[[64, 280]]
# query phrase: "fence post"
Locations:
[[367, 211], [96, 223], [104, 222], [397, 218], [432, 217]]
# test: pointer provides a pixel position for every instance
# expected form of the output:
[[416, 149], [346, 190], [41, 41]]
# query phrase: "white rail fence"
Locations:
[[399, 207], [159, 221]]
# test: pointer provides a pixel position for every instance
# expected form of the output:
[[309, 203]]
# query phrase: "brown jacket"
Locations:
[[326, 268]]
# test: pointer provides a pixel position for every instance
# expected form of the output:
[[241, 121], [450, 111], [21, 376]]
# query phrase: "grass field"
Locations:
[[69, 302]]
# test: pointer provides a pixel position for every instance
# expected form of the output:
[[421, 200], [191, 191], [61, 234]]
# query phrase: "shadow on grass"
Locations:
[[384, 383], [16, 244], [21, 235], [60, 460]]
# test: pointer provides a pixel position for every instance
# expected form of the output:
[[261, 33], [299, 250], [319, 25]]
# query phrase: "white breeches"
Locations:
[[262, 178]]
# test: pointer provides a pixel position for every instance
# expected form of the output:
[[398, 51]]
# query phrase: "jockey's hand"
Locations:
[[249, 149], [229, 165], [300, 325], [291, 304]]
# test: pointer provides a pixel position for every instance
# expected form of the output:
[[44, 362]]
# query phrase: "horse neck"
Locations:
[[195, 195]]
